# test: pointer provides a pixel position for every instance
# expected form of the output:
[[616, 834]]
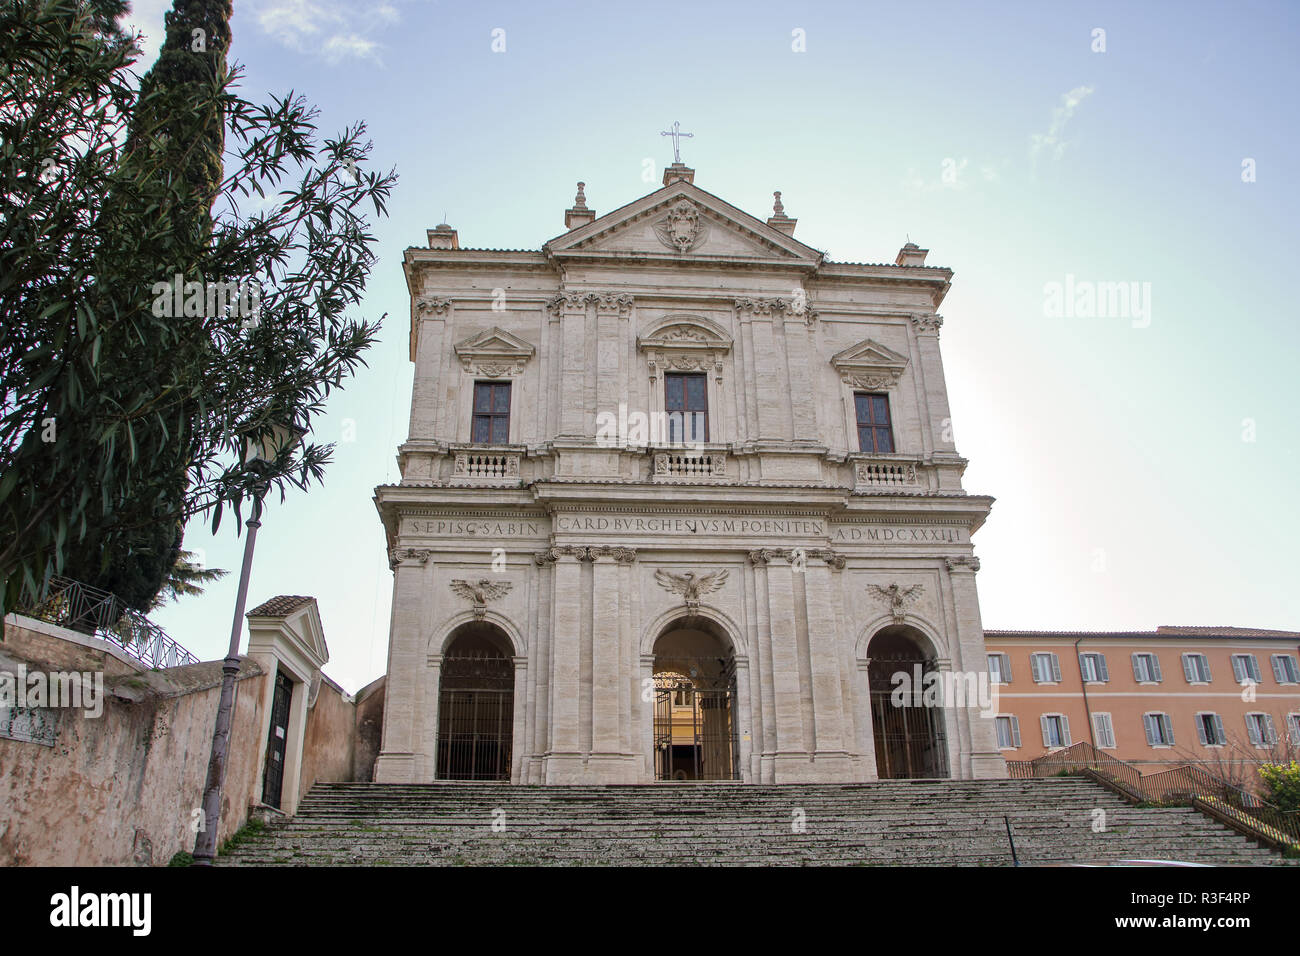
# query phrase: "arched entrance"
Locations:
[[476, 705], [695, 703], [907, 721]]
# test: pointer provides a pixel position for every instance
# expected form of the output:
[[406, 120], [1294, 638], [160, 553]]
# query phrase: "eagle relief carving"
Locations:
[[898, 598], [480, 592], [689, 585]]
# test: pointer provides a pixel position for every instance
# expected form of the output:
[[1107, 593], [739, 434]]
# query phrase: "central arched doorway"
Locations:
[[476, 704], [907, 722], [695, 704]]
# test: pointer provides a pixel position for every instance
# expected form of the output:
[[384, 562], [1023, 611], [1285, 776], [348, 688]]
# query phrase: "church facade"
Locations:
[[680, 501]]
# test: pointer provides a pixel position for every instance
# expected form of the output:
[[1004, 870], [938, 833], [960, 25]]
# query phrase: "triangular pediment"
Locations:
[[681, 221], [868, 364], [494, 352]]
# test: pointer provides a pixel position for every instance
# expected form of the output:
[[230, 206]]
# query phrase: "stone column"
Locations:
[[406, 659], [604, 652], [986, 761], [790, 759], [831, 755], [573, 363], [770, 380], [563, 757], [798, 350], [518, 758], [612, 312], [765, 728], [647, 728], [932, 390], [429, 323]]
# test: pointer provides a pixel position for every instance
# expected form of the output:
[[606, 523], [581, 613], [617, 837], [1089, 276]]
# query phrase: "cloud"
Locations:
[[1053, 143], [333, 29], [341, 47]]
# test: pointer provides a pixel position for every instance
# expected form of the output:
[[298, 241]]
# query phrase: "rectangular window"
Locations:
[[1285, 670], [1160, 730], [491, 413], [1046, 668], [1260, 729], [1146, 668], [1008, 733], [1245, 667], [1093, 666], [1196, 668], [875, 434], [999, 668], [1056, 730], [686, 400], [1104, 730], [1209, 728]]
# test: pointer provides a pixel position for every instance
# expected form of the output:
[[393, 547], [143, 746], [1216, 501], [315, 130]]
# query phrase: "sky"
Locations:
[[1142, 455]]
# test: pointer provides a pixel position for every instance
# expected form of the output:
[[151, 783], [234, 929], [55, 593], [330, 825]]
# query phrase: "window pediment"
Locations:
[[685, 343], [868, 364], [494, 353]]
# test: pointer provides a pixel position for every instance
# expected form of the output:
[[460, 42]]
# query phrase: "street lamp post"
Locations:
[[256, 456]]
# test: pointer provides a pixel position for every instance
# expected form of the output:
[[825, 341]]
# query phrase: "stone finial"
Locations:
[[911, 255], [780, 221], [678, 172], [443, 237], [579, 214]]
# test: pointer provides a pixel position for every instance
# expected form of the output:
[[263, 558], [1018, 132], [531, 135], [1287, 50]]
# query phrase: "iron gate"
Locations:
[[695, 728], [475, 716], [910, 739]]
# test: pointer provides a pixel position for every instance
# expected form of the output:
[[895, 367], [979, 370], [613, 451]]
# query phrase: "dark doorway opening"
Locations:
[[909, 733], [476, 706], [276, 740], [695, 714]]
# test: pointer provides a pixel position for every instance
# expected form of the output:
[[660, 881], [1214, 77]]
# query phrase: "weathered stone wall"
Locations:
[[369, 728], [329, 741], [120, 789]]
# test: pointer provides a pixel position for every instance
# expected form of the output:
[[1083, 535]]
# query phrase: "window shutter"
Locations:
[[1101, 666], [1205, 666], [1056, 669], [1065, 730], [1148, 723], [1047, 737], [1219, 736], [1238, 668], [1137, 670], [1270, 734], [1168, 726], [1293, 721], [1155, 668], [1006, 668], [1252, 729], [1015, 730], [1200, 729], [1035, 665], [1253, 663], [1279, 669], [1189, 670]]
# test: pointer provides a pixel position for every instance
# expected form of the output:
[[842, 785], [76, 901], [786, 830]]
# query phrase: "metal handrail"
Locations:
[[100, 614]]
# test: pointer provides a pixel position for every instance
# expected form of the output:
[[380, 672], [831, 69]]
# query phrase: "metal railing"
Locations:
[[1181, 786], [100, 614]]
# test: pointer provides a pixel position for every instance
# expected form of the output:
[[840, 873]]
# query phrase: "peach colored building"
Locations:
[[1226, 697]]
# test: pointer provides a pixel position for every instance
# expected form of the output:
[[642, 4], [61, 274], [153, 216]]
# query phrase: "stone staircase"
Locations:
[[893, 822]]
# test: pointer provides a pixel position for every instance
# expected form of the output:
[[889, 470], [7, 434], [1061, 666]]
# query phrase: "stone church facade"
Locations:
[[679, 502]]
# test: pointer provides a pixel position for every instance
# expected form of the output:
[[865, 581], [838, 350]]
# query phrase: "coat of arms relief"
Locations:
[[683, 229]]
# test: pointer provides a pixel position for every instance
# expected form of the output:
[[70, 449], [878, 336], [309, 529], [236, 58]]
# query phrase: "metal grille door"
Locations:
[[694, 731], [910, 739], [273, 776], [475, 717]]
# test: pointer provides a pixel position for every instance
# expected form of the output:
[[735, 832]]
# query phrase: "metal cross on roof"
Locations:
[[676, 133]]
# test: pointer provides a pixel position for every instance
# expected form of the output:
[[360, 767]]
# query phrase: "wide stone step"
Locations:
[[931, 822]]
